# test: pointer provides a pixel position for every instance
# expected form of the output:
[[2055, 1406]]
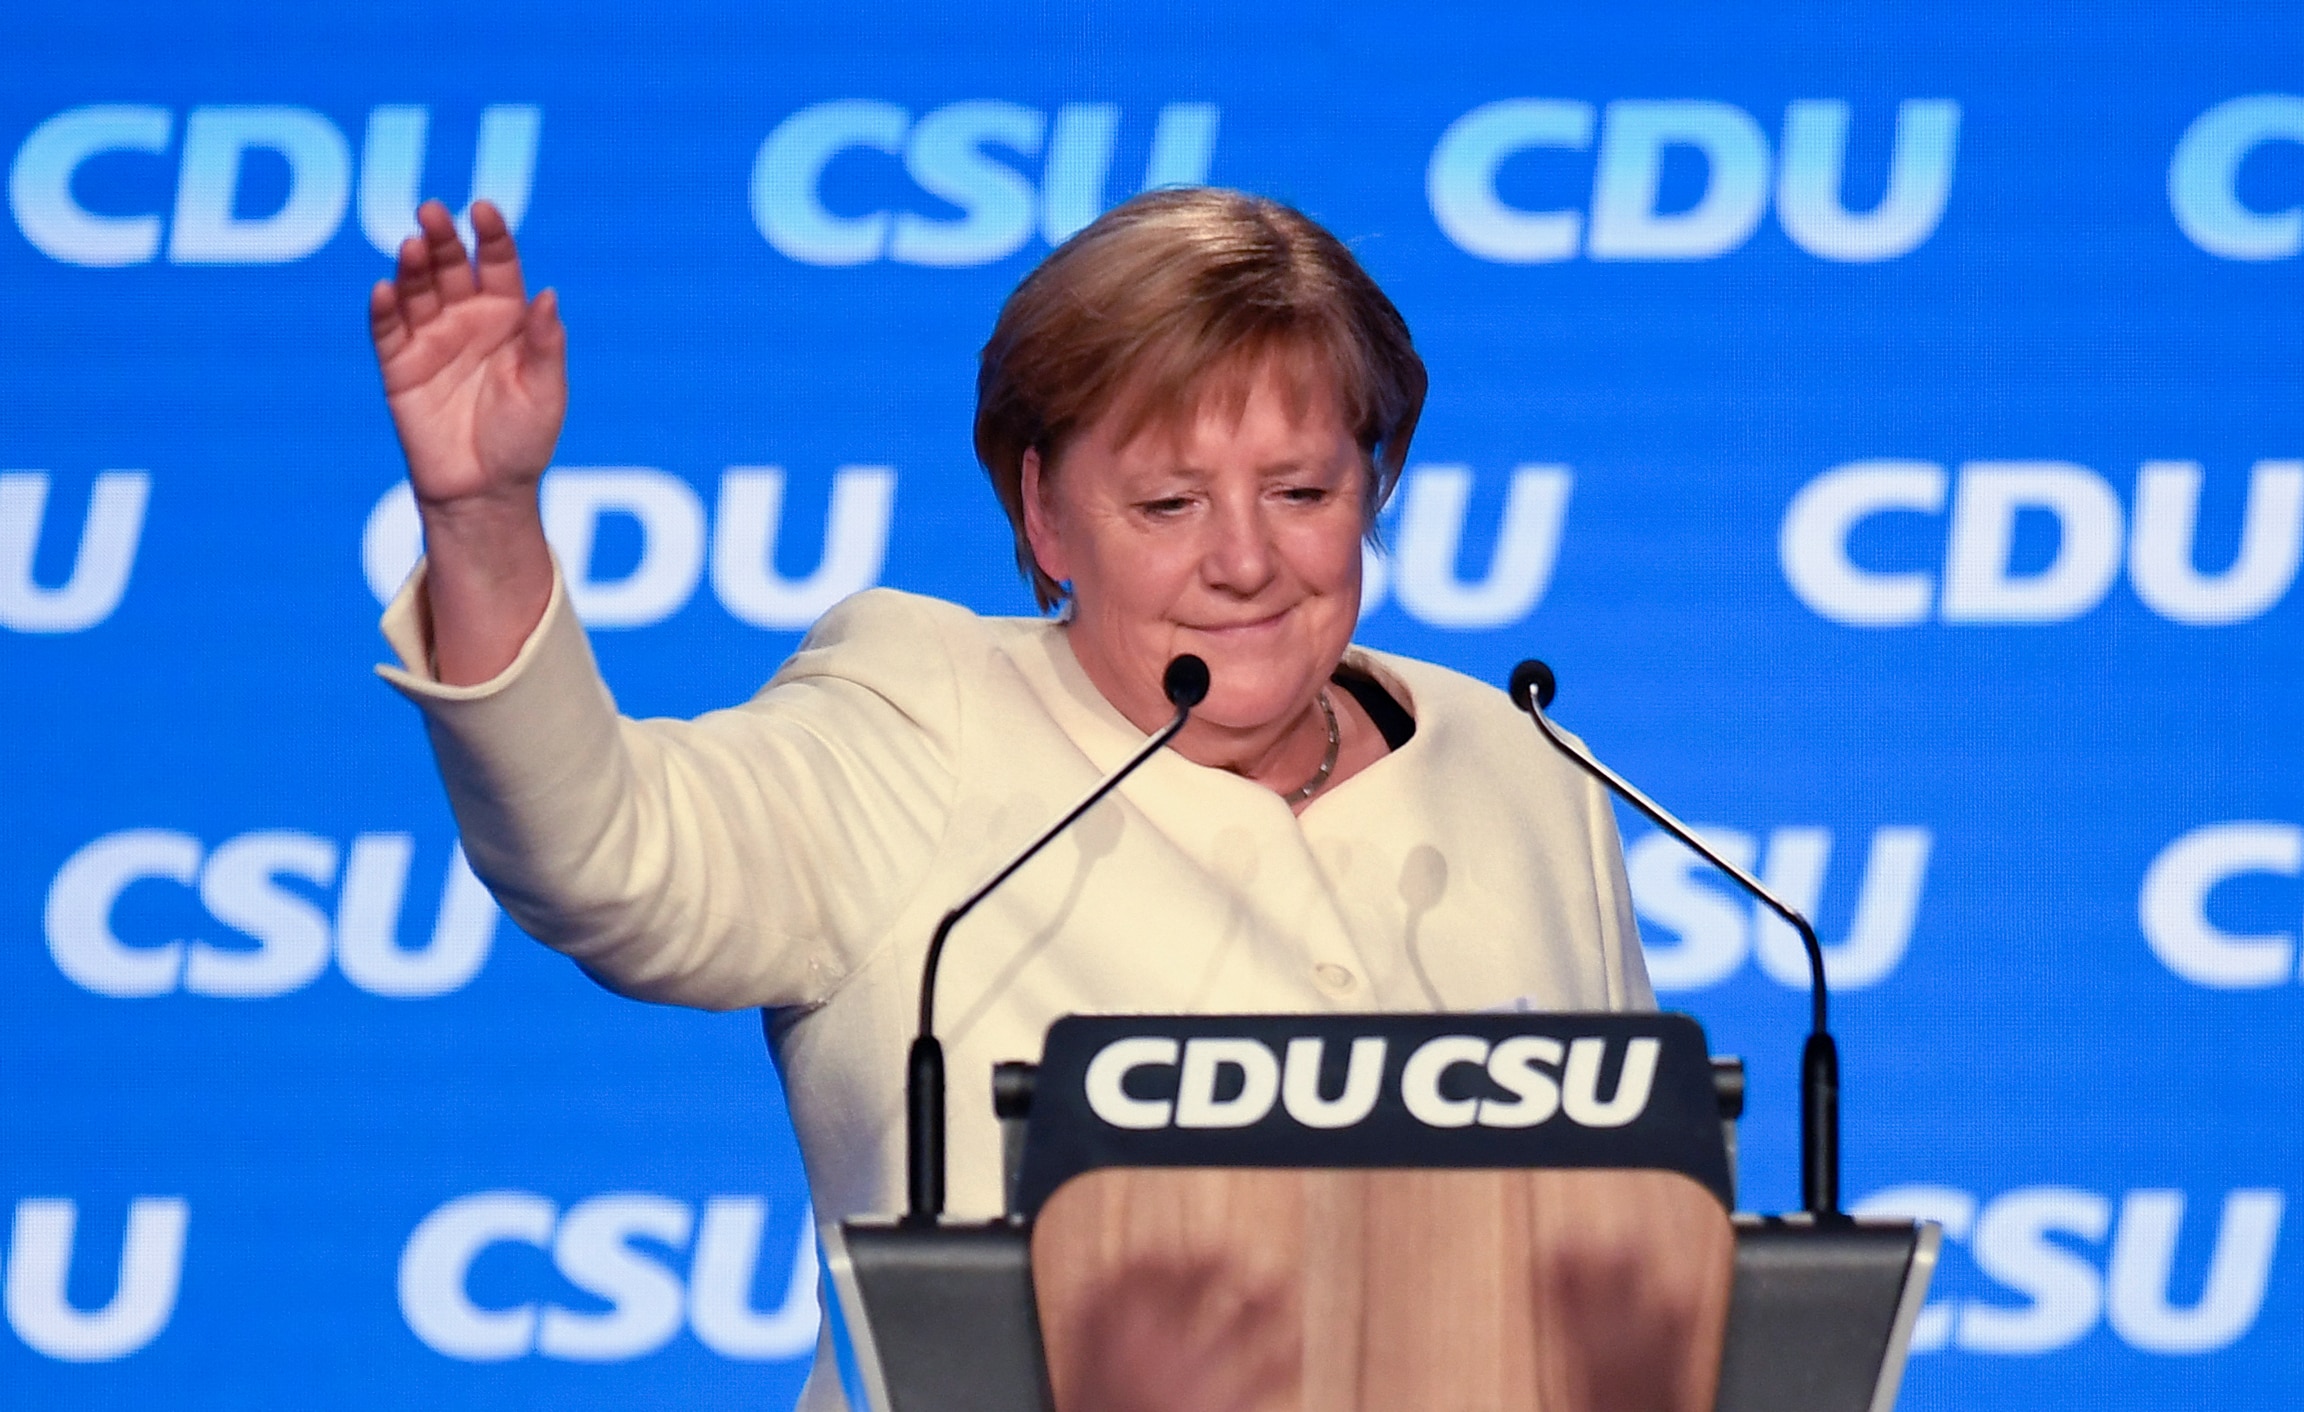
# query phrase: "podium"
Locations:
[[1508, 1211]]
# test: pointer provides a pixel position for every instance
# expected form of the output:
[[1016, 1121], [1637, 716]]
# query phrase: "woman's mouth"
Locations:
[[1247, 627]]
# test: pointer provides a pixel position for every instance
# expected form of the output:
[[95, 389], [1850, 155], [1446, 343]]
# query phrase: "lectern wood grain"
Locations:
[[1257, 1290]]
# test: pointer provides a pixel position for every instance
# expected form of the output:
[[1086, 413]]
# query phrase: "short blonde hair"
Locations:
[[1146, 309]]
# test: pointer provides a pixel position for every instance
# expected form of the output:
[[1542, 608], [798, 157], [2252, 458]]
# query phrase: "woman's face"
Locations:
[[1234, 536]]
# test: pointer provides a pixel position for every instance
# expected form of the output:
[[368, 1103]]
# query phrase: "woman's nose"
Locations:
[[1240, 556]]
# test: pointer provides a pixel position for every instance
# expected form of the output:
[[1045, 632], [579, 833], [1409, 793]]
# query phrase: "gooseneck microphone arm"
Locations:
[[1533, 687], [1186, 685]]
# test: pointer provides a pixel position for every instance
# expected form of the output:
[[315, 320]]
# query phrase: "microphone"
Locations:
[[1533, 687], [1185, 684]]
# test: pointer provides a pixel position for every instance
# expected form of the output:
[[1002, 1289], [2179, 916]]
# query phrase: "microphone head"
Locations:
[[1533, 685], [1185, 681]]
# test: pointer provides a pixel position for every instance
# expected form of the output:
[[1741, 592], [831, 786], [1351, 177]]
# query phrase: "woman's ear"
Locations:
[[1040, 521]]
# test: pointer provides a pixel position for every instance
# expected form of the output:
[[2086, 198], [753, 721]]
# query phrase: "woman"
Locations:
[[1191, 412]]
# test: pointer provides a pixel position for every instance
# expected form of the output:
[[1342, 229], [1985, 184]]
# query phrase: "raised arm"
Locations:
[[476, 376]]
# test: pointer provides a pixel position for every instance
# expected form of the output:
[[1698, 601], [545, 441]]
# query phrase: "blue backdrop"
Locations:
[[1887, 428]]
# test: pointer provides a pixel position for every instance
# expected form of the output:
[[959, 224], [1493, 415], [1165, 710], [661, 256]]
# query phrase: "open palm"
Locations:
[[475, 371]]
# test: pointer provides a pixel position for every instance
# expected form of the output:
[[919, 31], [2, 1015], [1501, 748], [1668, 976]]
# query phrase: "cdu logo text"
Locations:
[[1013, 173], [208, 151]]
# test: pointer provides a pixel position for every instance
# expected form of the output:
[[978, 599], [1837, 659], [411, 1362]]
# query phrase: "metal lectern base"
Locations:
[[1822, 1316], [941, 1318]]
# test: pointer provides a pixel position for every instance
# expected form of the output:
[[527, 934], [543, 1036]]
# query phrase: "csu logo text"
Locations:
[[950, 155], [1983, 579], [262, 890], [1429, 526], [207, 223], [1717, 928], [1466, 187], [2038, 1244], [607, 1249]]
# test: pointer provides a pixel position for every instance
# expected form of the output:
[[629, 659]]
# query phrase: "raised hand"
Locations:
[[477, 378], [475, 372]]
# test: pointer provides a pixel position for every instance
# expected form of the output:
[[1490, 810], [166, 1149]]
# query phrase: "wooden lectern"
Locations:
[[1522, 1212]]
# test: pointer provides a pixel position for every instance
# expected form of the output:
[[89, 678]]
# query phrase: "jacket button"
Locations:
[[1333, 977]]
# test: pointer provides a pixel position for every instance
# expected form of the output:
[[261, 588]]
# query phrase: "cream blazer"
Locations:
[[794, 853]]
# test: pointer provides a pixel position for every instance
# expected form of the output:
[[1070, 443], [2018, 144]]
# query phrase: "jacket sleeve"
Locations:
[[754, 856]]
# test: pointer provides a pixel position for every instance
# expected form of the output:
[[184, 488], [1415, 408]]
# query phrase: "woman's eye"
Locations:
[[1305, 494]]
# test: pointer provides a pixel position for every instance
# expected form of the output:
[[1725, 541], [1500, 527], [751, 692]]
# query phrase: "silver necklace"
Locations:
[[1327, 761]]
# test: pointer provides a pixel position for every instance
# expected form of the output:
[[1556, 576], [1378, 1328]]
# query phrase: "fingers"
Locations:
[[499, 257], [419, 293], [543, 338], [451, 269], [385, 326]]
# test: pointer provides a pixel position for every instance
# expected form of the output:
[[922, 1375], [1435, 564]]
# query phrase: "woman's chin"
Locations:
[[1245, 706]]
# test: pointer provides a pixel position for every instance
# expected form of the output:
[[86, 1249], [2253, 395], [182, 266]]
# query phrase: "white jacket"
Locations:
[[795, 853]]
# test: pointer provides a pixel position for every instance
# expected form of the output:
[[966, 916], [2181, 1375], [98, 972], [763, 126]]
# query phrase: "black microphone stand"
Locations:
[[1186, 685], [1533, 687]]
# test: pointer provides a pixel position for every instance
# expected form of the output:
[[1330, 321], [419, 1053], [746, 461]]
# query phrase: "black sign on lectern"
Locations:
[[1488, 1090]]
